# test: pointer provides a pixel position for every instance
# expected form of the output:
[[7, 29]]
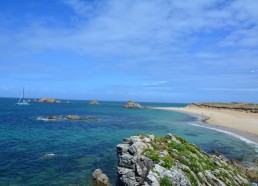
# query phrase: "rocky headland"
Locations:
[[94, 102], [171, 160], [241, 107], [131, 104]]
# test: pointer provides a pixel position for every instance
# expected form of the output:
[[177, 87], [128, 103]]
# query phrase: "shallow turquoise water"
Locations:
[[81, 147]]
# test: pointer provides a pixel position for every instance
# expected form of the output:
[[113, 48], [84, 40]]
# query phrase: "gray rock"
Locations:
[[122, 148], [96, 174], [163, 154], [126, 160], [131, 104], [100, 177]]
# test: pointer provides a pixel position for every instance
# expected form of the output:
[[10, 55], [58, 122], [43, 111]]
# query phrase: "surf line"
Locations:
[[230, 134]]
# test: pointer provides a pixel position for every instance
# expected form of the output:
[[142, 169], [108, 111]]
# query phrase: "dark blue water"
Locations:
[[82, 146]]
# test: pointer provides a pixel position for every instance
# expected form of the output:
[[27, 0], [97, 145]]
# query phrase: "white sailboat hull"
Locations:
[[22, 101]]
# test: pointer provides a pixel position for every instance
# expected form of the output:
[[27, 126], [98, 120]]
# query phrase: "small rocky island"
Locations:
[[45, 100], [94, 102], [171, 160], [68, 117], [131, 104], [48, 100]]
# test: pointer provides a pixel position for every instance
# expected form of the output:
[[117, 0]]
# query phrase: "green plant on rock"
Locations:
[[177, 146], [168, 162], [182, 140], [165, 181], [151, 154]]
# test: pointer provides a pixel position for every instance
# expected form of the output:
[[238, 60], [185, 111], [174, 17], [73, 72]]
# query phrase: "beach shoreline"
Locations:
[[240, 123]]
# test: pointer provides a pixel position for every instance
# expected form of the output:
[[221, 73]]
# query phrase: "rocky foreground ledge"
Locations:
[[171, 160]]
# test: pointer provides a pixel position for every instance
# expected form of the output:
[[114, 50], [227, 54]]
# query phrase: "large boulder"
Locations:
[[100, 177], [131, 104]]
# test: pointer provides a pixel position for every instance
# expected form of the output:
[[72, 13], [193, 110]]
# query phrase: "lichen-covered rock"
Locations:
[[171, 160], [131, 104], [100, 177]]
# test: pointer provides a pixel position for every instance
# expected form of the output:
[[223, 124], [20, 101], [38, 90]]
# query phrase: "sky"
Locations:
[[144, 50]]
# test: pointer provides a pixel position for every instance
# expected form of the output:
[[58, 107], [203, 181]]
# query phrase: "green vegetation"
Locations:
[[165, 182], [167, 150], [248, 107]]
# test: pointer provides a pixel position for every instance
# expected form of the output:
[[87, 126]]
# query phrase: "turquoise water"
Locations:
[[82, 146]]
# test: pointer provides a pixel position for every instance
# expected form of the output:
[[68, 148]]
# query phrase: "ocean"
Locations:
[[80, 147]]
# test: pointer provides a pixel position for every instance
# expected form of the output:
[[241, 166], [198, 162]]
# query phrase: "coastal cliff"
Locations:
[[242, 107], [171, 160]]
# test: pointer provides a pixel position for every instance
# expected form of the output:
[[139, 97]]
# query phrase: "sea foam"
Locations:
[[231, 134]]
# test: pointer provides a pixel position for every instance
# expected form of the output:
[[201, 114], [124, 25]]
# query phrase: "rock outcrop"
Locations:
[[51, 117], [171, 160], [131, 104], [76, 117], [100, 177], [48, 100], [94, 102], [68, 117]]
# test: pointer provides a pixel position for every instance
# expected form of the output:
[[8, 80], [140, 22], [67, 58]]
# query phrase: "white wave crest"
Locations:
[[229, 133]]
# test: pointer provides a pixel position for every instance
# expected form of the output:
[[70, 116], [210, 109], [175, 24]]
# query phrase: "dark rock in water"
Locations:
[[94, 102], [69, 117], [75, 117], [51, 117], [131, 104], [255, 161], [171, 160], [48, 100], [100, 177], [216, 151]]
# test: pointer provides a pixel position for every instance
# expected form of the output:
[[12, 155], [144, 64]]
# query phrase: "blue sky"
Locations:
[[145, 50]]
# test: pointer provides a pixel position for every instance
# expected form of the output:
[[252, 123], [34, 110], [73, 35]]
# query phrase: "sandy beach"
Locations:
[[241, 123]]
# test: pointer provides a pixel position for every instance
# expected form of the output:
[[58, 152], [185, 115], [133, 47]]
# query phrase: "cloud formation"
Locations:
[[192, 44]]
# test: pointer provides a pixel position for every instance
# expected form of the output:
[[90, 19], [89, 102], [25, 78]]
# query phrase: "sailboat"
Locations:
[[22, 101]]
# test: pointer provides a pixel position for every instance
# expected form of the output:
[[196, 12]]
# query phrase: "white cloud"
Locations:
[[156, 83], [233, 89], [144, 27]]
